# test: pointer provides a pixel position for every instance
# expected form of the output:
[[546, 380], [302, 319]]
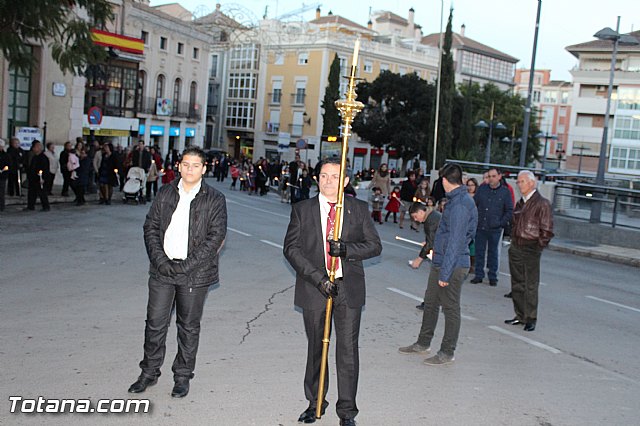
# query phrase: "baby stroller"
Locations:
[[135, 185]]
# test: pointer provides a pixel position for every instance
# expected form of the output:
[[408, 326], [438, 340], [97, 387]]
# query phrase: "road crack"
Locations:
[[264, 311]]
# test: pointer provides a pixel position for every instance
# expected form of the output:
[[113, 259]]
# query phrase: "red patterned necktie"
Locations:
[[331, 220]]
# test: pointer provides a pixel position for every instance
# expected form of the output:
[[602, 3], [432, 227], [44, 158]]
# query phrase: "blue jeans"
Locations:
[[487, 241]]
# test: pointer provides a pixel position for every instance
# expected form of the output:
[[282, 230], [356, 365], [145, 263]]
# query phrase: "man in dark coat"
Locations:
[[37, 174], [184, 231], [16, 162], [66, 174], [306, 247], [495, 206], [532, 230]]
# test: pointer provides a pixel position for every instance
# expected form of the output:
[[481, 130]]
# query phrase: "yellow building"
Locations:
[[295, 61]]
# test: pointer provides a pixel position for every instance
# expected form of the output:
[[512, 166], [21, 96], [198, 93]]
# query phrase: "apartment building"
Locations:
[[477, 62], [590, 83], [552, 101]]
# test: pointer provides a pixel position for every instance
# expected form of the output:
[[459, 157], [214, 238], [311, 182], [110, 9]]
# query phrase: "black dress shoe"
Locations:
[[530, 326], [347, 422], [142, 383], [309, 415], [493, 283], [476, 281], [180, 388], [420, 306], [508, 295], [514, 321]]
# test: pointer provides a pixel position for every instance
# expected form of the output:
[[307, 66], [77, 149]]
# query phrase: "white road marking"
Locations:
[[419, 299], [272, 244], [612, 303], [255, 208], [525, 339], [238, 232], [401, 246], [409, 295]]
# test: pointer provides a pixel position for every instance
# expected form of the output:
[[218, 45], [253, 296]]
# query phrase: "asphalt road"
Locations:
[[73, 296]]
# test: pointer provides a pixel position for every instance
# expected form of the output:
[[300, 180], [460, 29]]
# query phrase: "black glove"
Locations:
[[327, 288], [337, 248], [167, 269]]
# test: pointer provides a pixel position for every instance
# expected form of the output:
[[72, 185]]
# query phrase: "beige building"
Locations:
[[172, 79], [294, 76]]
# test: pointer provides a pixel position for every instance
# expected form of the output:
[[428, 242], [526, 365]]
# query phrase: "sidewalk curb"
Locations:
[[596, 255]]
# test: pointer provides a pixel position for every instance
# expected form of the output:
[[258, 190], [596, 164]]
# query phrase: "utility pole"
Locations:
[[527, 108]]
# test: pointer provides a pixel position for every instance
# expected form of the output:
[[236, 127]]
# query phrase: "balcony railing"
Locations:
[[275, 98], [271, 128], [181, 109], [298, 98]]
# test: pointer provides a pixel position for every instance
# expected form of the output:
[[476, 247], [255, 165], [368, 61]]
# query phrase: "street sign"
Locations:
[[94, 115]]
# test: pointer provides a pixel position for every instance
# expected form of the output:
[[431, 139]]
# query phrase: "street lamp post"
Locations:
[[511, 140], [483, 125], [546, 137], [617, 38]]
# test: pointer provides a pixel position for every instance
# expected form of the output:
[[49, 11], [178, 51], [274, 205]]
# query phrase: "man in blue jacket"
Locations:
[[450, 266], [495, 207]]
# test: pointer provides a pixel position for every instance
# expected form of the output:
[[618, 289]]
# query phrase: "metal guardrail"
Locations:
[[620, 206]]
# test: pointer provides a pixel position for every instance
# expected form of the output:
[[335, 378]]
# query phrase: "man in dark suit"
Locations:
[[306, 248]]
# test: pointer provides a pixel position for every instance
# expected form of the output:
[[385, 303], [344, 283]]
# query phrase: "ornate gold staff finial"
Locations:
[[348, 108]]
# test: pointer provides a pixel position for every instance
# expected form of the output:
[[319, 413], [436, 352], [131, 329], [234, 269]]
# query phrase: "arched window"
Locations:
[[193, 93], [177, 87], [160, 87]]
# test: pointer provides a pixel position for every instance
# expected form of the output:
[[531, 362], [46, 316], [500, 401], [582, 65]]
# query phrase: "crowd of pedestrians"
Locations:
[[85, 168]]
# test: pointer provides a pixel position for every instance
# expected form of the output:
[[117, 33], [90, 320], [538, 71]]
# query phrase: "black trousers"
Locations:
[[3, 186], [449, 298], [66, 181], [14, 185], [152, 186], [189, 303], [48, 183], [78, 190], [346, 321], [524, 265], [37, 191]]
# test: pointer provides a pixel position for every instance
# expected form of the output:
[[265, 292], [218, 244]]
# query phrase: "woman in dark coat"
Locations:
[[107, 177]]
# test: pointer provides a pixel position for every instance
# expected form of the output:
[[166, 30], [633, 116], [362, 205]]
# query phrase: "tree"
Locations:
[[508, 109], [396, 110], [446, 142], [331, 118], [55, 22]]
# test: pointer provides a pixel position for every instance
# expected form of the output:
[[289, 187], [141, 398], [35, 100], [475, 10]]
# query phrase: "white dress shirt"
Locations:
[[529, 195], [176, 238], [324, 216]]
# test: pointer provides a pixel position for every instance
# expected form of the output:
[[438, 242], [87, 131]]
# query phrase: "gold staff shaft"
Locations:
[[348, 109]]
